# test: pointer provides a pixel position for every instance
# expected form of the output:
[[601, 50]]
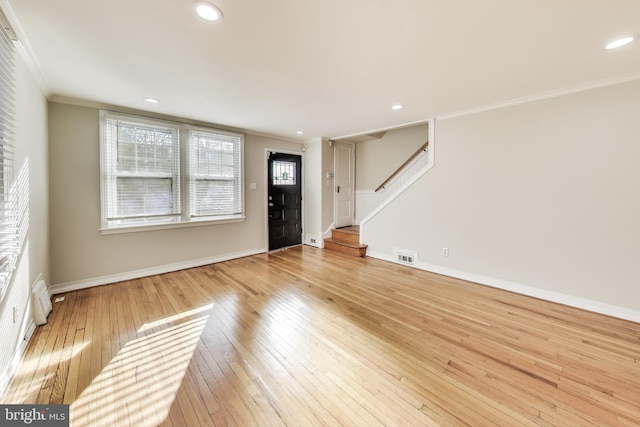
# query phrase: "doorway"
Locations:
[[344, 162], [284, 200]]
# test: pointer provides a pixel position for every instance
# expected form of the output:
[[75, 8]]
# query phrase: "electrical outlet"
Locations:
[[313, 240], [445, 251], [15, 313]]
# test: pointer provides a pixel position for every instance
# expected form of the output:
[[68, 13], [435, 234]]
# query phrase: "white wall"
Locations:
[[81, 256], [379, 158], [318, 194], [376, 160], [31, 153], [541, 196]]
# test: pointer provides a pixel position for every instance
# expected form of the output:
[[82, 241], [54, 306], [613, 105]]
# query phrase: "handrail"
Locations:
[[397, 171]]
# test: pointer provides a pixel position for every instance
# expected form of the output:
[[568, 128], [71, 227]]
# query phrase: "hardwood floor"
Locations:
[[304, 337]]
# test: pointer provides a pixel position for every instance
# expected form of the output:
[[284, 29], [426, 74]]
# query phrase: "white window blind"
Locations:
[[158, 174], [215, 165], [10, 219], [141, 166]]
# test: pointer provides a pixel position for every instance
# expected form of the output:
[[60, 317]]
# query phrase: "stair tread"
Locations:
[[343, 243], [348, 230]]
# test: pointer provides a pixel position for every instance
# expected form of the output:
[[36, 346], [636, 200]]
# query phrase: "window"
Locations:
[[11, 220], [214, 164], [284, 173], [147, 183]]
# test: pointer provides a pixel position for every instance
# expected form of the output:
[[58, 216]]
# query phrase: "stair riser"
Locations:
[[346, 250], [345, 237]]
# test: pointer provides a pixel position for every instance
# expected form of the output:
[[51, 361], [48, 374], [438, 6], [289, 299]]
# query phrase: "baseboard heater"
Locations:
[[41, 302]]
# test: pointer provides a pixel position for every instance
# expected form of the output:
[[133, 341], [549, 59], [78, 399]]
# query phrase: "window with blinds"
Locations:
[[145, 181], [9, 216], [215, 178]]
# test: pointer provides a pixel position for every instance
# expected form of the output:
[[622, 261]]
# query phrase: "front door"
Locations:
[[284, 200]]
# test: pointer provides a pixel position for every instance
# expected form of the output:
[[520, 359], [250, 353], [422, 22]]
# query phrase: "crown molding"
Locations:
[[24, 49], [544, 95]]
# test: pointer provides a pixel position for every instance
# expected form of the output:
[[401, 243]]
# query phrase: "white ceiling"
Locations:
[[327, 67]]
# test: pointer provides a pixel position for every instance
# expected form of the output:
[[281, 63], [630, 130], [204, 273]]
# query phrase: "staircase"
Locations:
[[346, 241]]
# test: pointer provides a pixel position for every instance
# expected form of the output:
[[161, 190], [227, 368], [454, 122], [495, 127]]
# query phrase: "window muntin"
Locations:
[[157, 173], [284, 173], [215, 161], [142, 172]]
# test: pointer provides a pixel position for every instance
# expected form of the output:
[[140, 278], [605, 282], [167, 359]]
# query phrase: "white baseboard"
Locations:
[[557, 297], [8, 373], [314, 240], [136, 274]]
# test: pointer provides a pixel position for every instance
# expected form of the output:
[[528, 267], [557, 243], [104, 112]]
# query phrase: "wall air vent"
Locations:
[[41, 302], [404, 256], [405, 259]]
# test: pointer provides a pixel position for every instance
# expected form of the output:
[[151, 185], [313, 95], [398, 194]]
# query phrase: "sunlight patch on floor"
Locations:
[[139, 384]]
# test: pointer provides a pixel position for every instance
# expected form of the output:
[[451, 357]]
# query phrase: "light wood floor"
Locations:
[[304, 337]]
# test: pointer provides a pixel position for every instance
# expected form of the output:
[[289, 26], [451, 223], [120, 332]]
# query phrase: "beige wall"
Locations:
[[33, 262], [544, 195], [80, 253], [377, 159]]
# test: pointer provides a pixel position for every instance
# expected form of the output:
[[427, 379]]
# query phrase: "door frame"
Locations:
[[353, 181], [265, 193]]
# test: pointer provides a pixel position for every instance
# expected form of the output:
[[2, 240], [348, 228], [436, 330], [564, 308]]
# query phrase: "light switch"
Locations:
[[252, 186]]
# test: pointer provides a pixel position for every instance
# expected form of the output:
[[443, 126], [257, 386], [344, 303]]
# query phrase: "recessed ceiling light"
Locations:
[[207, 12], [619, 43], [152, 100], [300, 132], [397, 107]]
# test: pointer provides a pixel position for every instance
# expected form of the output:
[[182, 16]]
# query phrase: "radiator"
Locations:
[[41, 302]]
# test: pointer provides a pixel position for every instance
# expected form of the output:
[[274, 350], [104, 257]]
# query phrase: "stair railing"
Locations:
[[404, 168]]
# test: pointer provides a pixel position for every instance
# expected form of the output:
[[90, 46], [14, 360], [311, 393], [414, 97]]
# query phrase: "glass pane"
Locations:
[[145, 150], [144, 196], [213, 197], [284, 173]]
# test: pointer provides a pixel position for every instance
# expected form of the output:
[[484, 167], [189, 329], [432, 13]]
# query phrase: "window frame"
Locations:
[[189, 175], [184, 218]]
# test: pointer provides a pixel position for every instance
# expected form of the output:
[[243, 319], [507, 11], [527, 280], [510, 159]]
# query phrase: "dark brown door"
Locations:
[[285, 200]]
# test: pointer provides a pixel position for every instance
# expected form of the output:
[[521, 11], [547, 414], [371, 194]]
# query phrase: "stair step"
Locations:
[[347, 248], [346, 236]]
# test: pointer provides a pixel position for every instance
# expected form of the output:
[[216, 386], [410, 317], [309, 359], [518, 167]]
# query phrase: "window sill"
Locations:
[[152, 227]]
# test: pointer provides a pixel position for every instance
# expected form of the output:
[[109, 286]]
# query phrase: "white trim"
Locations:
[[196, 223], [24, 49], [266, 190], [273, 136], [8, 373], [388, 201], [151, 271], [542, 96], [319, 240], [430, 164], [509, 103], [404, 125], [531, 291], [327, 234], [352, 181]]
